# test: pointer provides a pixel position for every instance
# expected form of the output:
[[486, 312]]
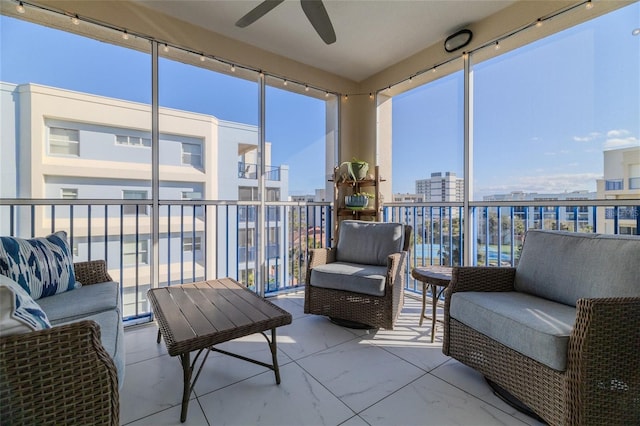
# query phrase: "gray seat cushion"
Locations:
[[112, 338], [567, 266], [83, 301], [368, 243], [354, 277], [535, 327]]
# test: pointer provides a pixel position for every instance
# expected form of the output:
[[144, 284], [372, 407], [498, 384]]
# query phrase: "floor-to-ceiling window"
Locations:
[[428, 166], [92, 86], [208, 122], [298, 160], [557, 119], [76, 126]]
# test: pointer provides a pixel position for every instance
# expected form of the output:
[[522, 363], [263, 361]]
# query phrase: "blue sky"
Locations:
[[543, 113], [294, 123]]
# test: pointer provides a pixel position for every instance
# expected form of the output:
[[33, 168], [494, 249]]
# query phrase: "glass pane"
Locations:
[[428, 141], [208, 116], [298, 161], [91, 111]]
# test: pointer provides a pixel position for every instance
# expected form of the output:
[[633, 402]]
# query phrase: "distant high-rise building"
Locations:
[[439, 187], [621, 180]]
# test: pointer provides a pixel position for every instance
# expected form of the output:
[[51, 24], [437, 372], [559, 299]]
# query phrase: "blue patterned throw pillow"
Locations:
[[19, 313], [42, 266]]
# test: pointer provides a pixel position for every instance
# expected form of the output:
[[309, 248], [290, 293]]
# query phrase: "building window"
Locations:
[[187, 244], [135, 195], [192, 154], [64, 141], [273, 194], [634, 183], [613, 185], [132, 254], [69, 193], [133, 141], [247, 193], [191, 195]]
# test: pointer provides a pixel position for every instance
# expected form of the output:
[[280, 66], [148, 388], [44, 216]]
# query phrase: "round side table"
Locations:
[[434, 277]]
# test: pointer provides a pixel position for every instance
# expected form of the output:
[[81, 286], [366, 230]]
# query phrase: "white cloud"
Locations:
[[614, 143], [552, 183], [588, 138], [617, 133]]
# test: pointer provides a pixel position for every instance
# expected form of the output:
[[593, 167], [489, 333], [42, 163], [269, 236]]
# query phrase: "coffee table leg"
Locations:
[[424, 302], [274, 355], [186, 371], [434, 304]]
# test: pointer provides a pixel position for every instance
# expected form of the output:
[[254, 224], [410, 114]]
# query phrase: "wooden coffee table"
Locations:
[[434, 277], [195, 317]]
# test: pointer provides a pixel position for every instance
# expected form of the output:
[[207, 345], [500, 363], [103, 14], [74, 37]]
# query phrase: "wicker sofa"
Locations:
[[362, 279], [561, 331], [69, 373]]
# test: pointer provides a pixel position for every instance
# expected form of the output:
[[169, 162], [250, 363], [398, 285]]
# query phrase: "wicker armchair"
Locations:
[[374, 311], [601, 382], [61, 375]]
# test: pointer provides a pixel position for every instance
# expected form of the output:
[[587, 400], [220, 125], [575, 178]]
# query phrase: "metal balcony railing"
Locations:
[[250, 171], [208, 239]]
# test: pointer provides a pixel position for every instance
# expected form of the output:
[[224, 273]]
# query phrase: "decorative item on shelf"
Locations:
[[357, 168], [357, 201]]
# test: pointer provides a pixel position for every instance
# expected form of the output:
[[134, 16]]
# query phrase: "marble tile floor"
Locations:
[[331, 375]]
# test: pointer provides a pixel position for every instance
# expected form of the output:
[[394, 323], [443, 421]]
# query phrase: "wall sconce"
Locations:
[[458, 40]]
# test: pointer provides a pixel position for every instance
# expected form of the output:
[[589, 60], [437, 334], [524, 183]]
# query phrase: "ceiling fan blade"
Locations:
[[317, 15], [257, 12]]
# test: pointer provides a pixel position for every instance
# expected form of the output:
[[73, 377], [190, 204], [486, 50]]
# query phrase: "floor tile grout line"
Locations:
[[476, 397]]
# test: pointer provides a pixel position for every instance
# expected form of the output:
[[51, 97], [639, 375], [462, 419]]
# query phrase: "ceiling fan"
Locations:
[[314, 9]]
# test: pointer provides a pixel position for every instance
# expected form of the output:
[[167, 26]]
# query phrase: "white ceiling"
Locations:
[[371, 34]]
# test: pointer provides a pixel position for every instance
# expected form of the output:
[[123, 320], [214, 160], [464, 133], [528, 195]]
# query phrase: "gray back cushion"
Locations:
[[567, 266], [369, 243]]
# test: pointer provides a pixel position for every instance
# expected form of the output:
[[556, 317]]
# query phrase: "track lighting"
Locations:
[[20, 8], [233, 68], [306, 88], [497, 46], [75, 20], [165, 48], [589, 5], [284, 82], [125, 35], [539, 23]]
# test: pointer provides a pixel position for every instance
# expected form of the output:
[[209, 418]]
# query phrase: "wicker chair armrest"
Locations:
[[481, 278], [66, 364], [92, 272], [396, 264], [321, 256], [603, 378], [317, 257]]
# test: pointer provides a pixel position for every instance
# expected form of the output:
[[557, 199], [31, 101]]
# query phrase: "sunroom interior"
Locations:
[[253, 223]]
